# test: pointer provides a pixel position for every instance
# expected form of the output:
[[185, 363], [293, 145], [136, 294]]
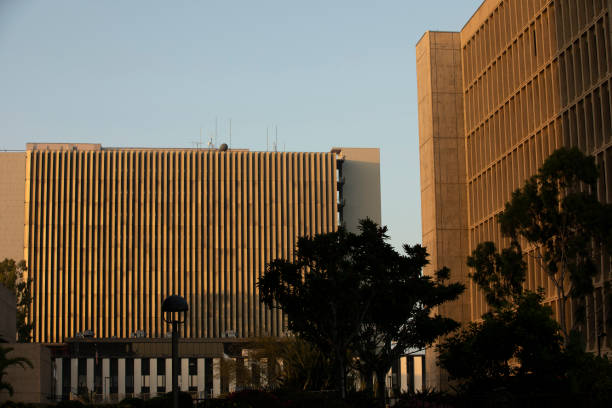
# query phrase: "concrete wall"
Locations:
[[12, 197], [30, 384], [8, 321], [361, 190], [442, 159]]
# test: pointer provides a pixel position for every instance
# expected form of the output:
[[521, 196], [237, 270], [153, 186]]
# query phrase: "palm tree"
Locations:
[[6, 362]]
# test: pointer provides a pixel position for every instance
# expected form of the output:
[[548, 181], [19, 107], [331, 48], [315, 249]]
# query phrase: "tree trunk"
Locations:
[[562, 321], [380, 387], [341, 378], [369, 383]]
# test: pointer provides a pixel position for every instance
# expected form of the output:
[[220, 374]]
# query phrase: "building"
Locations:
[[29, 384], [108, 233], [521, 79]]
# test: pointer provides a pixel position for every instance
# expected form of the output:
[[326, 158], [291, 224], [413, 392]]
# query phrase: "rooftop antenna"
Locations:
[[215, 130], [267, 138], [276, 138], [210, 143], [230, 133], [198, 144]]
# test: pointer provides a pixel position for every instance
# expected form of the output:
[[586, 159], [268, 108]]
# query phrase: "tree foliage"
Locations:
[[401, 303], [5, 363], [518, 345], [558, 213], [517, 341], [353, 292], [12, 276]]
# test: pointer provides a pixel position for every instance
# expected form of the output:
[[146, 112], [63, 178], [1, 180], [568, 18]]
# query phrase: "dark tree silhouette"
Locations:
[[354, 293], [12, 276], [558, 213]]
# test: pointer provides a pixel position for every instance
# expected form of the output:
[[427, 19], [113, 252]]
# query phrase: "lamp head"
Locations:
[[173, 304]]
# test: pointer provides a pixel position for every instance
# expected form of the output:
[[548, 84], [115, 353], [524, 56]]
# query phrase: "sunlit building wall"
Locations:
[[521, 79], [108, 233]]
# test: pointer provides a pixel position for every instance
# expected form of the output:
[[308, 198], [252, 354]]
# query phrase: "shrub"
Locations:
[[164, 401], [132, 403], [70, 404]]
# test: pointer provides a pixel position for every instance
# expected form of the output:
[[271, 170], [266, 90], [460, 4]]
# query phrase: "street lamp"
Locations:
[[173, 308]]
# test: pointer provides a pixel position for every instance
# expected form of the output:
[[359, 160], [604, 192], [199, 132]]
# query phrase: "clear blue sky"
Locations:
[[152, 73]]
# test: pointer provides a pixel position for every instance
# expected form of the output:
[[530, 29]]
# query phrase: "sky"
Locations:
[[321, 73]]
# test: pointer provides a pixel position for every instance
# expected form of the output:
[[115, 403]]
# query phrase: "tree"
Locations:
[[6, 362], [353, 292], [293, 363], [557, 212], [517, 343], [320, 294], [401, 303], [12, 276]]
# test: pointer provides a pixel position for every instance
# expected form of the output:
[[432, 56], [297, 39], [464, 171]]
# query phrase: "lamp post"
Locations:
[[172, 309]]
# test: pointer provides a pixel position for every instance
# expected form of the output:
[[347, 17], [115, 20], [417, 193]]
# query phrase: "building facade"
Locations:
[[108, 233], [521, 79]]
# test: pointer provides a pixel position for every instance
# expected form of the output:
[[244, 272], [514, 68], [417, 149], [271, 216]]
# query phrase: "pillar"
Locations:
[[121, 378], [201, 378], [105, 378], [249, 370], [58, 378], [418, 373], [90, 375], [74, 376], [153, 376], [232, 376], [184, 383], [263, 375], [403, 374], [137, 376], [168, 375], [216, 377]]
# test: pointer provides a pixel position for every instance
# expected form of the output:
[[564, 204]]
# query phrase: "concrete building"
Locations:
[[8, 311], [108, 233], [521, 79]]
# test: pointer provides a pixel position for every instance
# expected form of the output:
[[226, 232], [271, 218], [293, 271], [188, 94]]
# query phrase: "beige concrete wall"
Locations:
[[112, 232], [12, 197], [34, 384], [8, 315], [442, 160], [361, 189]]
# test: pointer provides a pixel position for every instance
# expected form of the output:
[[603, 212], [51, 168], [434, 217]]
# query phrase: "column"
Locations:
[[153, 376], [216, 377], [90, 375], [137, 377], [168, 375], [418, 373], [121, 378], [232, 376], [105, 378], [184, 383], [201, 378], [263, 375], [74, 376], [249, 370], [58, 378], [403, 374]]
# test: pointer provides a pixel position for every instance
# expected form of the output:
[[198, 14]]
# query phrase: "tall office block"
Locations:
[[108, 233], [521, 79]]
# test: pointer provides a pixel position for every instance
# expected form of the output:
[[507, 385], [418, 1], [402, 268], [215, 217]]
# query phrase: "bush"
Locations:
[[255, 399], [11, 404], [164, 401], [70, 404], [132, 403]]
